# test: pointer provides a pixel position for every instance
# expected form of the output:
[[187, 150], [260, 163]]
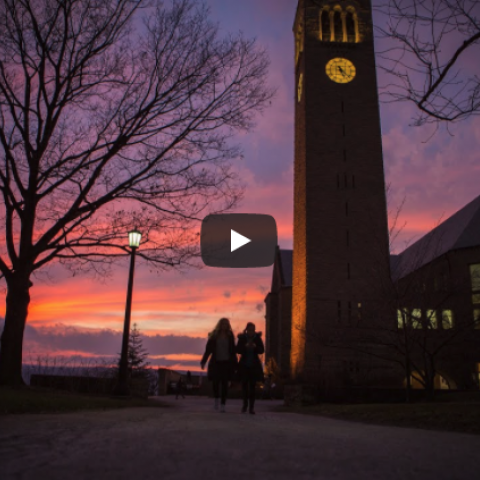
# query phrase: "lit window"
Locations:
[[444, 384], [475, 276], [476, 298], [402, 317], [432, 321], [338, 26], [416, 380], [447, 319], [416, 318], [476, 318]]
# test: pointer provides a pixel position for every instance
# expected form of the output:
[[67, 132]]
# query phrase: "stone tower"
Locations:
[[341, 252]]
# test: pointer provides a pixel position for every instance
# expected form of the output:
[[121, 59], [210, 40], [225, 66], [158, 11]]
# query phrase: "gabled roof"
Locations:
[[461, 230]]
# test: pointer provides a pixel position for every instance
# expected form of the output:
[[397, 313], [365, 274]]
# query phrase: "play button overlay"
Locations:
[[238, 240]]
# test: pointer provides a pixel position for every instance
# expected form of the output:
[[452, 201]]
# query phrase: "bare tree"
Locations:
[[420, 321], [113, 114], [430, 48]]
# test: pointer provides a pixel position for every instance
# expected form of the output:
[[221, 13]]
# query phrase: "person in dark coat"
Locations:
[[223, 362], [250, 346], [179, 389]]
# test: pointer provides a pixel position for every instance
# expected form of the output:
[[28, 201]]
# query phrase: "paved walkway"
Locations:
[[193, 442]]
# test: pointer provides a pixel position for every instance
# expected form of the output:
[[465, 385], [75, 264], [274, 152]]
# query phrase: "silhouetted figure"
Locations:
[[250, 346], [179, 389], [189, 377], [223, 361]]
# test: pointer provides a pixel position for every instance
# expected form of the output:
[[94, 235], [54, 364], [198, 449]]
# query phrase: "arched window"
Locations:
[[350, 26], [325, 25], [337, 26]]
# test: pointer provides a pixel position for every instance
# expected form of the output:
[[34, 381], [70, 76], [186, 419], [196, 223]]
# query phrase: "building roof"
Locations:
[[286, 261], [461, 230]]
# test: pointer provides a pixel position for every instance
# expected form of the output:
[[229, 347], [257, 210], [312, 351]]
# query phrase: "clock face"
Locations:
[[341, 70], [300, 87]]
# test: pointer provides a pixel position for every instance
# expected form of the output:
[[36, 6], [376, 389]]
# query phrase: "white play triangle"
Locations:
[[237, 241]]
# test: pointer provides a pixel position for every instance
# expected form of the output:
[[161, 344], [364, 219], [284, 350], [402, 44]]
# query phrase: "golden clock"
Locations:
[[300, 87], [341, 70]]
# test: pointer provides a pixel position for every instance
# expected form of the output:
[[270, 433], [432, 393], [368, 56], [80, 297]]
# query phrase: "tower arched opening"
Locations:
[[337, 25], [350, 26], [325, 31]]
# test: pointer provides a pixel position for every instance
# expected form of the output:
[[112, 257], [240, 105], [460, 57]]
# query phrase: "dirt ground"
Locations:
[[192, 441]]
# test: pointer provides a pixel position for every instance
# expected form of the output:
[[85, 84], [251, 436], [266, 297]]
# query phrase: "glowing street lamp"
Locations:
[[134, 238]]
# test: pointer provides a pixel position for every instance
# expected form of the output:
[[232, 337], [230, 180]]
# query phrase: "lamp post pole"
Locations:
[[122, 388]]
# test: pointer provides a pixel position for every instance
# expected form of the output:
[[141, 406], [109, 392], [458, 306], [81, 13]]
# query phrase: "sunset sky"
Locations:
[[435, 173]]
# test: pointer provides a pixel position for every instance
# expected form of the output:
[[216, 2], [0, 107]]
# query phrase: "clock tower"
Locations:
[[341, 251]]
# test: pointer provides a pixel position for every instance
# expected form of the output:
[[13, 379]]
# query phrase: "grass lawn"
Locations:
[[452, 417], [35, 400]]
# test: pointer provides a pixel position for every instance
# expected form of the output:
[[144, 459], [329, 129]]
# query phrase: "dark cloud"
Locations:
[[106, 342], [172, 344]]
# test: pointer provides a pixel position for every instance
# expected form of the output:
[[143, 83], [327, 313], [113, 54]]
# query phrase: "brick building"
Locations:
[[339, 285], [437, 291], [432, 301]]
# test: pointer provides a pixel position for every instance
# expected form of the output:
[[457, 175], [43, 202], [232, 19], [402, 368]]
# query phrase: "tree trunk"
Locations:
[[431, 380], [408, 383], [431, 392], [11, 343]]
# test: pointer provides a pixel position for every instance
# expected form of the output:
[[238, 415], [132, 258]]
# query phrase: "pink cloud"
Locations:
[[433, 175], [436, 175]]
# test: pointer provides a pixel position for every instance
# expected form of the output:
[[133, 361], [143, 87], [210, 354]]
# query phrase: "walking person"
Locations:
[[250, 346], [223, 362], [179, 389], [189, 382]]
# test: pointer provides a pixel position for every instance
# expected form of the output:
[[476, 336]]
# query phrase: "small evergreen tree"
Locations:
[[137, 354]]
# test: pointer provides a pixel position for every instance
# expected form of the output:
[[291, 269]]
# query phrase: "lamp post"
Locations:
[[121, 388]]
